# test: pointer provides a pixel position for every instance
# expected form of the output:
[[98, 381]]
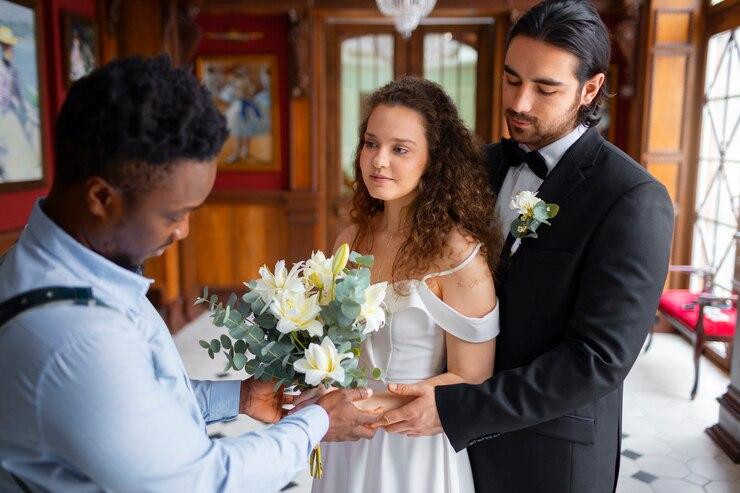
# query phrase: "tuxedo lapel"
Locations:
[[497, 168], [559, 184]]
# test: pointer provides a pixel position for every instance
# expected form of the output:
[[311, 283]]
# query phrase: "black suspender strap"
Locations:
[[42, 296]]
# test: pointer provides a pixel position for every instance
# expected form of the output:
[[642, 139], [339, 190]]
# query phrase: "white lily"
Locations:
[[295, 311], [322, 362], [270, 286], [318, 273], [524, 202], [371, 312]]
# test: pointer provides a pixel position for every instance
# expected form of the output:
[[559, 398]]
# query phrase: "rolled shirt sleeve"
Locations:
[[218, 400]]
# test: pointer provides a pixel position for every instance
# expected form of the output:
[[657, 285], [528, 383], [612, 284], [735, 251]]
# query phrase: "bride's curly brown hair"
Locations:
[[453, 192]]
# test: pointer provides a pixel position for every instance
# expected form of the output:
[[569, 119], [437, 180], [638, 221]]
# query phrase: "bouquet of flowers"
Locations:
[[302, 327]]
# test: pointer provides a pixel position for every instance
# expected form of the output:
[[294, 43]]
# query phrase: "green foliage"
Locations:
[[252, 344]]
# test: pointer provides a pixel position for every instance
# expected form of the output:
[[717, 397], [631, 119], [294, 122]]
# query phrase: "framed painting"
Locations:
[[245, 89], [79, 42], [21, 96]]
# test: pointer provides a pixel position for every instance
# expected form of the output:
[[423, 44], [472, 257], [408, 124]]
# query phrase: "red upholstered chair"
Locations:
[[687, 312]]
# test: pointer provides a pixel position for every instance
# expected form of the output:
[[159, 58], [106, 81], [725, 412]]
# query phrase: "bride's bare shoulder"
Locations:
[[347, 235], [459, 245]]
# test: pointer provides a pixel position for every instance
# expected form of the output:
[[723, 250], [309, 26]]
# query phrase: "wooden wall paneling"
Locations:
[[670, 120], [301, 172], [139, 28], [232, 236], [666, 107]]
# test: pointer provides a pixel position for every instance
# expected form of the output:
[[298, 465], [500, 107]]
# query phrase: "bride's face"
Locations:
[[394, 153]]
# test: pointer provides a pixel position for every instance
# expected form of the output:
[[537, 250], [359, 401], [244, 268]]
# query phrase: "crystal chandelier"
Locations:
[[406, 14]]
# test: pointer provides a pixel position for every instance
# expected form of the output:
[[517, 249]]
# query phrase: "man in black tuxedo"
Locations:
[[577, 300]]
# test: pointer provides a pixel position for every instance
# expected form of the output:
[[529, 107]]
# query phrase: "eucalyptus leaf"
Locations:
[[257, 306], [225, 341], [232, 300], [204, 344], [228, 365], [210, 354], [205, 292], [363, 260], [266, 321], [240, 346], [238, 332], [267, 347], [259, 371], [215, 345], [250, 296], [351, 309], [255, 332], [239, 361], [251, 366]]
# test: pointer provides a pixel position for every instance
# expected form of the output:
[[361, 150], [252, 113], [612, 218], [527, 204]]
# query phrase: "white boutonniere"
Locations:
[[533, 211]]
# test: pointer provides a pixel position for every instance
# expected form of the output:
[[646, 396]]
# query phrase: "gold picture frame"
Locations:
[[245, 89]]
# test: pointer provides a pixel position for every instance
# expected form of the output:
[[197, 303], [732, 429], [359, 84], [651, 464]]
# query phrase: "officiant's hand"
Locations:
[[306, 398], [259, 401], [347, 422], [417, 418]]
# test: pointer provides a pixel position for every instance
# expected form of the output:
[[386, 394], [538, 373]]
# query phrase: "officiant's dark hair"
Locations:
[[575, 26], [131, 120]]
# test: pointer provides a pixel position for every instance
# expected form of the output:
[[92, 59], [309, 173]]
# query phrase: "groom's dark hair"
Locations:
[[575, 26]]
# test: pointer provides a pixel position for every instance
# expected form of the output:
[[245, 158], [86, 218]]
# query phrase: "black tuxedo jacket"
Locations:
[[576, 304]]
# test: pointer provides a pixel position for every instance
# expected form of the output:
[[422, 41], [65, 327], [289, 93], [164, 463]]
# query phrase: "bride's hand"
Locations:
[[306, 398]]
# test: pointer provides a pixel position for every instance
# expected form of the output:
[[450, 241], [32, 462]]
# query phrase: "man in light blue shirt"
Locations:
[[95, 396]]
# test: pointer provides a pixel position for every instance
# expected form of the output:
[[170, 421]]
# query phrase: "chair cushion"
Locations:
[[672, 303]]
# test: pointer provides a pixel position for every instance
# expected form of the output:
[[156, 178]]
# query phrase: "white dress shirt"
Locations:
[[522, 178]]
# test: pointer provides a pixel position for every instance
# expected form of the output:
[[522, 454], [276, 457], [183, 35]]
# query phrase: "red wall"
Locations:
[[15, 206], [274, 42]]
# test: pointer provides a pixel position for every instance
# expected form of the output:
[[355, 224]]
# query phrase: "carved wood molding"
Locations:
[[300, 49]]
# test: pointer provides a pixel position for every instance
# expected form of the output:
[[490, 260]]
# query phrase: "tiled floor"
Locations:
[[665, 449]]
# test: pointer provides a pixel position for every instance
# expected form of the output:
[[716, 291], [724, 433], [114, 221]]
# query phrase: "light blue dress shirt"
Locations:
[[97, 399]]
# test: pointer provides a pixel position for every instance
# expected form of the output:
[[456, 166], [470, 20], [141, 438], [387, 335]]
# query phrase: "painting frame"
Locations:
[[233, 157], [70, 22], [38, 51]]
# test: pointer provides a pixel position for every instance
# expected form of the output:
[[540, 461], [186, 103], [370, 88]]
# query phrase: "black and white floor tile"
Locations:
[[664, 447]]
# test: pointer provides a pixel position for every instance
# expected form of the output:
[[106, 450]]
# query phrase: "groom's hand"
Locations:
[[347, 422], [417, 418], [259, 401]]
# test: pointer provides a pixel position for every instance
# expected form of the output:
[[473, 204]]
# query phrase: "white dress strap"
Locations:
[[462, 264]]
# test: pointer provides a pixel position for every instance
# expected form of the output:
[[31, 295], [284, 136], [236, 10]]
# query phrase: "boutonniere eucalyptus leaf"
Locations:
[[533, 212]]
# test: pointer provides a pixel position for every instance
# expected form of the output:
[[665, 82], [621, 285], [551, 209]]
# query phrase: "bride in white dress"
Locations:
[[423, 208]]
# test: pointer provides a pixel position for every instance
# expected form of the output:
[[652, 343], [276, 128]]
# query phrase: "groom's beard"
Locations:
[[541, 134]]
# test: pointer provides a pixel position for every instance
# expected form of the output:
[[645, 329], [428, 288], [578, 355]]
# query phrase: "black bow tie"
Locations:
[[515, 156]]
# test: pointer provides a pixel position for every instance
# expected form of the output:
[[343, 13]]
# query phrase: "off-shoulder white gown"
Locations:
[[410, 348]]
